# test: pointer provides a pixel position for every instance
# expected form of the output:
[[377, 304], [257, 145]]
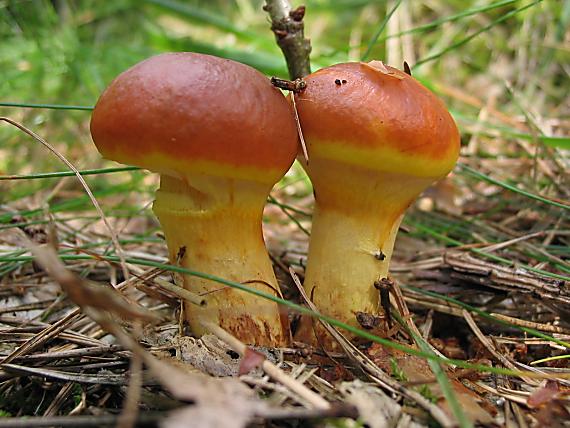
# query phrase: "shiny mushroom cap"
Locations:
[[377, 117], [181, 113]]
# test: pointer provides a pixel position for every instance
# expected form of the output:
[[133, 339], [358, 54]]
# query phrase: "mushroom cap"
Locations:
[[180, 113], [377, 117]]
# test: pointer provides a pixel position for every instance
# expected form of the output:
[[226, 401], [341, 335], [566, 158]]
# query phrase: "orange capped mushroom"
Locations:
[[376, 138], [220, 136]]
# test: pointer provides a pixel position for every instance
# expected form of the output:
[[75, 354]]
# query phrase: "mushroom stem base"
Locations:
[[347, 254]]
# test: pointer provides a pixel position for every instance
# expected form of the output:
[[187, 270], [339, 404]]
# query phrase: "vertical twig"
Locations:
[[288, 27]]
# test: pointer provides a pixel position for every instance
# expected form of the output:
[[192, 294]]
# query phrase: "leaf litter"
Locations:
[[202, 376]]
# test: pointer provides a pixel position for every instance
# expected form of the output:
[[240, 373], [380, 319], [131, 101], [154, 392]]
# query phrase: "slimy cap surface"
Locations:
[[378, 117], [181, 113]]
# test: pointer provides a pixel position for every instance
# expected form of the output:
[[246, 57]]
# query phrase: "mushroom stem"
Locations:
[[220, 232], [355, 224]]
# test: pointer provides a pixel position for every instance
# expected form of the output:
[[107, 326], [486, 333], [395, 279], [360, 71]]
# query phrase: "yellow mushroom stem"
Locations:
[[214, 225], [355, 224]]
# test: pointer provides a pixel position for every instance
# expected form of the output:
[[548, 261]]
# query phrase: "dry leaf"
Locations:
[[87, 295], [553, 415], [416, 370], [208, 354], [216, 402], [251, 360], [379, 66], [470, 402], [445, 194], [376, 409], [450, 347], [232, 415], [544, 394]]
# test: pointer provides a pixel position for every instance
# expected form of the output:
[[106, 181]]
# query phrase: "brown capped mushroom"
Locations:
[[220, 136], [376, 138]]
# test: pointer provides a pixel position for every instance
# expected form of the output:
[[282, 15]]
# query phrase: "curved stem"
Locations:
[[355, 224]]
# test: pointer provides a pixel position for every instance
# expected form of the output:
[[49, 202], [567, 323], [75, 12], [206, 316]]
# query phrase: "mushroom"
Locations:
[[220, 136], [376, 138]]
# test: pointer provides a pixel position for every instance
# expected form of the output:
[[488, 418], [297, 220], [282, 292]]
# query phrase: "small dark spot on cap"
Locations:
[[337, 82], [343, 81]]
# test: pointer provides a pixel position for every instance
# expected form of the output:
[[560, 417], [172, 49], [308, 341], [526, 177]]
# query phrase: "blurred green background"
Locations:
[[67, 51]]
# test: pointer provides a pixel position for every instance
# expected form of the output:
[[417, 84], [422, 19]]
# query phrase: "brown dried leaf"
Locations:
[[544, 394], [216, 402], [375, 407], [208, 354], [87, 295], [553, 415], [379, 66], [231, 415], [445, 194], [334, 374], [471, 403], [450, 347], [251, 360], [194, 386], [417, 371]]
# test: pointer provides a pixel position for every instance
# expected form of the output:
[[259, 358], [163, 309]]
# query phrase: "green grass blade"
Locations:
[[263, 61], [379, 31], [60, 174], [467, 39], [284, 210], [47, 106], [548, 359], [487, 128], [451, 18], [514, 189], [555, 142], [199, 14], [70, 204], [440, 376]]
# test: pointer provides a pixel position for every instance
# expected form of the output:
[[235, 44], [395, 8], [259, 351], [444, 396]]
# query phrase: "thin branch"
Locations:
[[288, 27]]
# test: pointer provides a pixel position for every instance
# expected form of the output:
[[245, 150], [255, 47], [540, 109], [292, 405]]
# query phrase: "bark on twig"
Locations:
[[288, 27], [295, 86]]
